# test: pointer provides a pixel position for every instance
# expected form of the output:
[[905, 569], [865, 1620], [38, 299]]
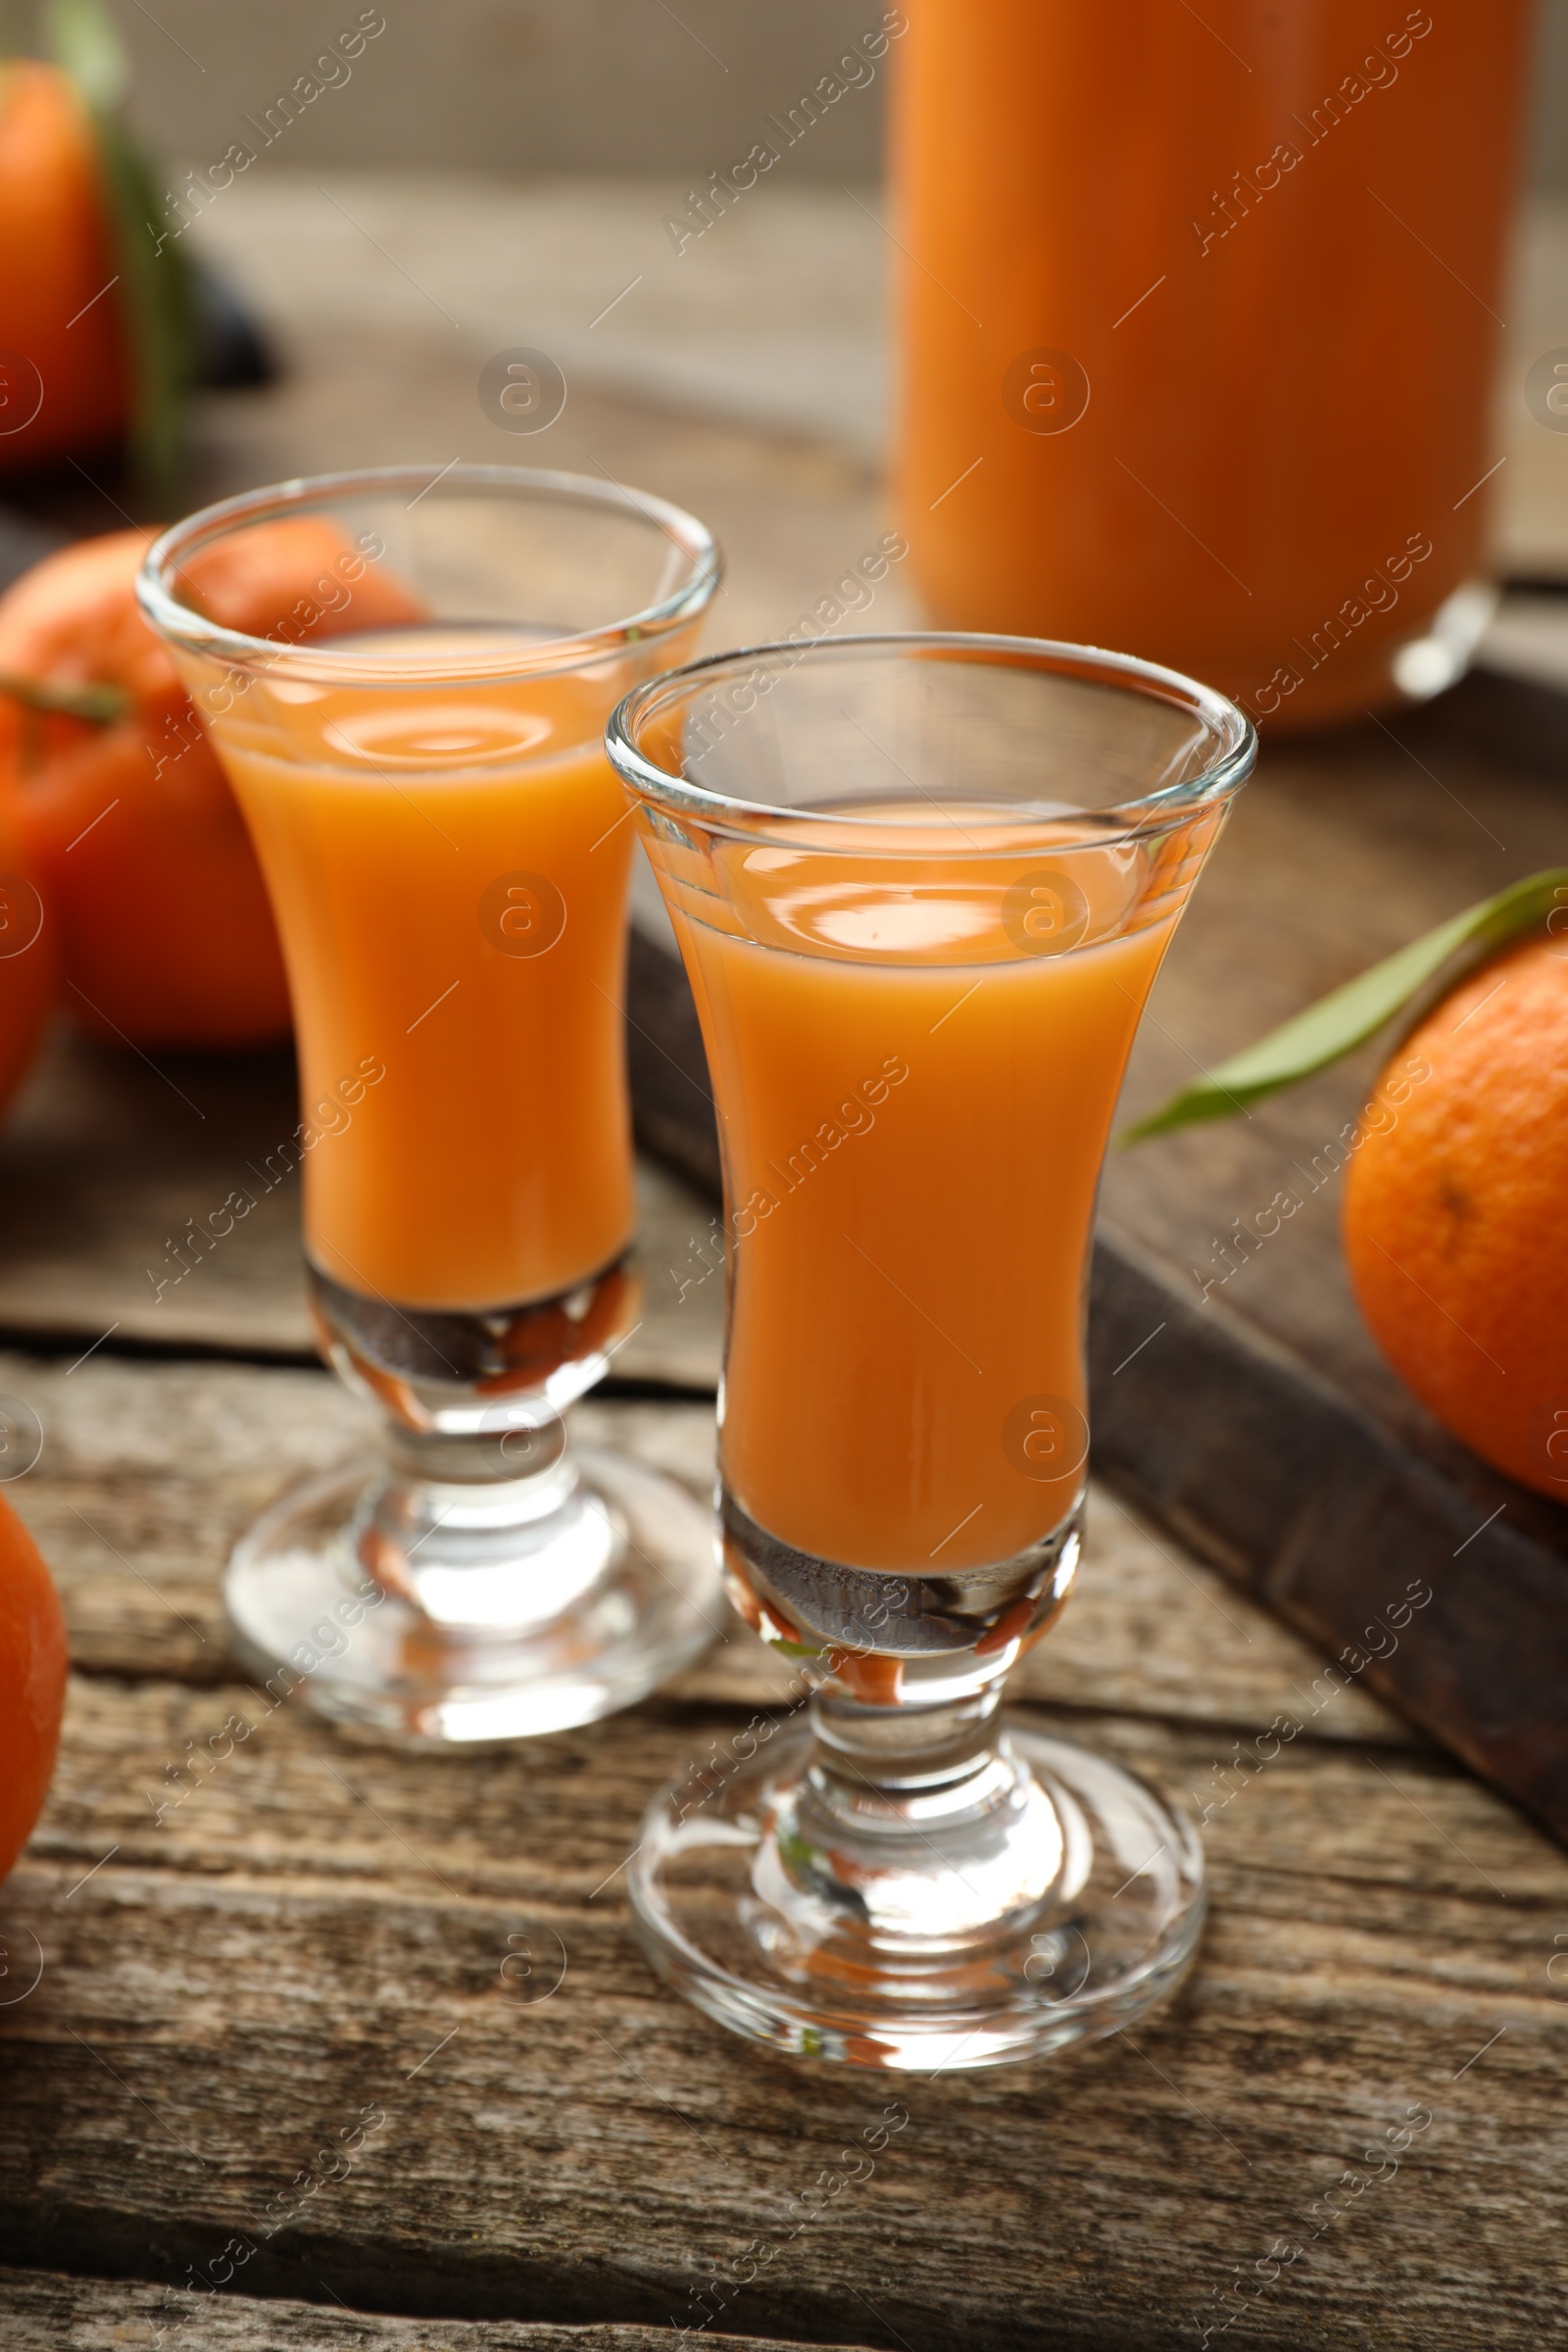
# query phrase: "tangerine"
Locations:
[[32, 1682], [166, 933], [264, 582], [1451, 1209], [66, 375]]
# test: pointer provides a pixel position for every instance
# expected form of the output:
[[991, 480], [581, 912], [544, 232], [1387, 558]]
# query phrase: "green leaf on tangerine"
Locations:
[[1340, 1023]]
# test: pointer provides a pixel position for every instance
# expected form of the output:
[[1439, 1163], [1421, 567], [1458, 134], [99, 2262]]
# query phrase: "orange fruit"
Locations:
[[260, 581], [1452, 1213], [163, 929], [65, 375], [165, 932], [32, 1684]]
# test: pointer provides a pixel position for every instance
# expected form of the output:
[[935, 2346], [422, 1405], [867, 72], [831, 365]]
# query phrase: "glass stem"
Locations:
[[891, 1764], [451, 1514], [915, 1824]]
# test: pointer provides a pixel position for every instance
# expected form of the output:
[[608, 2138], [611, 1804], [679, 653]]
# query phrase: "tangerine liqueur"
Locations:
[[1167, 280], [918, 1081], [448, 868]]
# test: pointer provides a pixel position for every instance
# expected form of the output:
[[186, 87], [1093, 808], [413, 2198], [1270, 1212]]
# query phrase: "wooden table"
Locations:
[[212, 1975], [239, 1964]]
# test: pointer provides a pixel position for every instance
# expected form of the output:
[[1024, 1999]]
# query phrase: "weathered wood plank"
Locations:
[[50, 2311], [149, 1472], [218, 1780], [302, 1933], [319, 1933]]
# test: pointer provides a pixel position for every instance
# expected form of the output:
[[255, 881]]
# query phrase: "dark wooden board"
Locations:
[[319, 1925]]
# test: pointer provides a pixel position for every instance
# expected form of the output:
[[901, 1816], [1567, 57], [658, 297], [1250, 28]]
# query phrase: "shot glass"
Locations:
[[407, 675], [922, 886]]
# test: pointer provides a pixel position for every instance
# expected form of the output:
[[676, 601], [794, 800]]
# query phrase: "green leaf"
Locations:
[[84, 44], [156, 285], [101, 704], [1340, 1023]]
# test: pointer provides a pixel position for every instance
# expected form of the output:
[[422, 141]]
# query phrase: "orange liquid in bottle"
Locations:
[[1198, 323], [914, 1122], [448, 871]]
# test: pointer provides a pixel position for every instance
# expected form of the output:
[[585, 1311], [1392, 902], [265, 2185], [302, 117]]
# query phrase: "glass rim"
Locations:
[[1236, 737], [194, 633]]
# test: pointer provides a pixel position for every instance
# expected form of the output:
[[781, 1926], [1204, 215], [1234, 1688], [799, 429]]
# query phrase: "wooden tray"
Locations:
[[1257, 1420]]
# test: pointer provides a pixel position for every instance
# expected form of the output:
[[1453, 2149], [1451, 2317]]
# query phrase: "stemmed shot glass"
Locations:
[[407, 676], [922, 886]]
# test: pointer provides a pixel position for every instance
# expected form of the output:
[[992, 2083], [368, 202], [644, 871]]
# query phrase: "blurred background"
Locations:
[[499, 171], [515, 87], [527, 87]]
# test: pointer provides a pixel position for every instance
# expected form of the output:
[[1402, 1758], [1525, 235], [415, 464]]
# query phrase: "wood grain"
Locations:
[[150, 1471], [317, 1933], [485, 1827], [50, 2311], [236, 1960]]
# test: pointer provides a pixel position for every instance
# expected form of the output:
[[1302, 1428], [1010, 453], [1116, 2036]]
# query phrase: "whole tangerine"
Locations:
[[32, 1684], [163, 930], [1452, 1212], [65, 377]]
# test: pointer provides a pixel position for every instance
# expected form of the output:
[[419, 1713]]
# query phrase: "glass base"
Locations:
[[448, 1611], [1064, 1900]]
